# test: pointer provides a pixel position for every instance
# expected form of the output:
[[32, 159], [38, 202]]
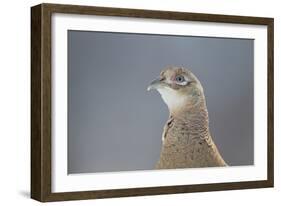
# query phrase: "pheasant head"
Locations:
[[179, 88]]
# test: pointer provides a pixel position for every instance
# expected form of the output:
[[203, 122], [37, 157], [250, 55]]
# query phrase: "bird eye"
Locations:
[[180, 79]]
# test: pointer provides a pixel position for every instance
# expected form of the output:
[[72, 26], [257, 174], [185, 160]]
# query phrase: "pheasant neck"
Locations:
[[194, 117]]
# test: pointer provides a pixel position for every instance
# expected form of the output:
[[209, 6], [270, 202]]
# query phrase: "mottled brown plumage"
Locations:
[[186, 139]]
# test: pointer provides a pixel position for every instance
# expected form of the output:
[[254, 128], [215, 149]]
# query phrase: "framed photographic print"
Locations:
[[128, 102]]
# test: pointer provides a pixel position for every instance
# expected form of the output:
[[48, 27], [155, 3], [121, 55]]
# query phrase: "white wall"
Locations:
[[15, 101]]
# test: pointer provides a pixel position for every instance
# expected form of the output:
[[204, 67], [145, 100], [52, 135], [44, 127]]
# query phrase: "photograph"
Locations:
[[132, 102], [203, 117]]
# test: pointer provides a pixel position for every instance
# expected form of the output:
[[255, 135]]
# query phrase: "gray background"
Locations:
[[114, 124]]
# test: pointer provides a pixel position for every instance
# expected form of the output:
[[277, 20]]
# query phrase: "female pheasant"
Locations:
[[186, 139]]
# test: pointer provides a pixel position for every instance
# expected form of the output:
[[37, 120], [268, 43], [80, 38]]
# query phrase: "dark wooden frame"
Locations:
[[41, 101]]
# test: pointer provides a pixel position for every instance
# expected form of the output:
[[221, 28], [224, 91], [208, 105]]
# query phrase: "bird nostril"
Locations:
[[161, 78]]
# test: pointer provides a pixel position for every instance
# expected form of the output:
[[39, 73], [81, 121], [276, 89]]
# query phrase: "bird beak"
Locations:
[[155, 84]]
